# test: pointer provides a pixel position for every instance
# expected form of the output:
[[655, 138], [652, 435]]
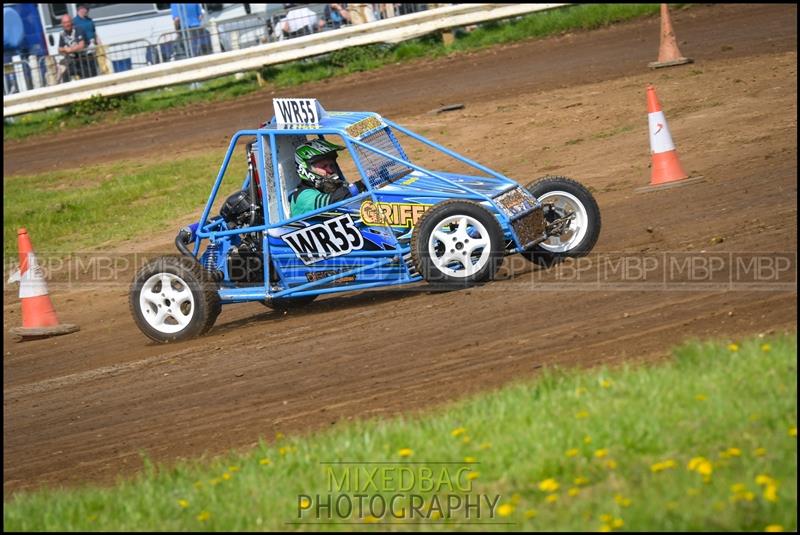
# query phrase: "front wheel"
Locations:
[[572, 216], [173, 299], [457, 242]]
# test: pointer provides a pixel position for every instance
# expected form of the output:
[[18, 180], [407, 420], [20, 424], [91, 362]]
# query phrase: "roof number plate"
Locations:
[[297, 111]]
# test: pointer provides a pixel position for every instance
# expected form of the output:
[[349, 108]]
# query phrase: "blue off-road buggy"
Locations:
[[409, 224]]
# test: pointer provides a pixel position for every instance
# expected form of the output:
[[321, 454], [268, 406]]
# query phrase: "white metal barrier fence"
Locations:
[[161, 73]]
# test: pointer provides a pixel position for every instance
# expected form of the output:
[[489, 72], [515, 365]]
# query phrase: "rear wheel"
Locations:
[[173, 299], [457, 242], [572, 213]]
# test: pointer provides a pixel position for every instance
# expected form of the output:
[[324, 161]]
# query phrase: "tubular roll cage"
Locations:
[[210, 230]]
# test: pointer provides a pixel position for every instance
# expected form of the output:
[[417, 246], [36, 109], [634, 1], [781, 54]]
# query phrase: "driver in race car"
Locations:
[[321, 180]]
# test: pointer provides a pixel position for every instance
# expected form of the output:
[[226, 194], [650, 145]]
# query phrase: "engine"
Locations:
[[246, 260]]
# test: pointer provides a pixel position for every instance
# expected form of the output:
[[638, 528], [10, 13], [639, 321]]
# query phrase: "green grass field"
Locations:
[[704, 441], [536, 25], [75, 210]]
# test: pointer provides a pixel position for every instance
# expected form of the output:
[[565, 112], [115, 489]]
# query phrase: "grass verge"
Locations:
[[67, 211], [705, 441], [536, 25]]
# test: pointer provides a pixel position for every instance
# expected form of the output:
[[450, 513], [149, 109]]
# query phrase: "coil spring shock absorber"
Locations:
[[210, 259]]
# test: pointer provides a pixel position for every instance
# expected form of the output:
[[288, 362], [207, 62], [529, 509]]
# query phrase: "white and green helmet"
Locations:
[[308, 153]]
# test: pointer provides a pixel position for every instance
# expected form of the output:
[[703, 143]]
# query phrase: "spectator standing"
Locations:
[[299, 21], [360, 13], [13, 38], [188, 19], [336, 15], [85, 23], [72, 44]]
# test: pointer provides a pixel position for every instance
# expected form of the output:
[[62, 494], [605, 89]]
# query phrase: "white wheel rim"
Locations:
[[459, 246], [166, 303], [564, 203]]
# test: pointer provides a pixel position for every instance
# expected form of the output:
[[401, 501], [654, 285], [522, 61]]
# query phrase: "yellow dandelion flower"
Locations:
[[733, 347], [264, 462], [611, 464], [705, 468], [369, 519], [458, 431], [530, 513], [470, 460], [605, 528], [601, 453], [582, 414], [606, 383], [759, 452], [573, 491], [436, 515], [774, 528], [731, 452], [226, 476], [792, 431], [204, 516], [771, 493], [737, 488], [183, 503], [551, 498], [466, 440], [548, 485], [485, 446], [587, 439], [580, 480], [233, 469], [766, 348], [283, 451], [305, 503], [505, 510], [701, 397], [606, 519], [762, 480], [572, 452], [695, 462], [617, 523], [405, 452], [622, 501], [663, 465], [473, 475]]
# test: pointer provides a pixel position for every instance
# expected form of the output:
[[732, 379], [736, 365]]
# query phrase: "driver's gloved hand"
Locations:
[[356, 188]]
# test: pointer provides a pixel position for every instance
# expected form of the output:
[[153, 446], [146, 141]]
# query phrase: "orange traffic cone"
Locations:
[[38, 316], [666, 167], [668, 53]]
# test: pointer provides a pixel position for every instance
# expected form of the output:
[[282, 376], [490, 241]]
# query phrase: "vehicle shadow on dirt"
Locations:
[[366, 298]]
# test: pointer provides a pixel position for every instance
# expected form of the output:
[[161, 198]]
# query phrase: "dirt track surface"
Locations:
[[705, 33], [79, 408]]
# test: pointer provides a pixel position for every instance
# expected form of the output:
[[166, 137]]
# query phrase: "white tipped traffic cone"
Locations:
[[38, 315], [666, 169]]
